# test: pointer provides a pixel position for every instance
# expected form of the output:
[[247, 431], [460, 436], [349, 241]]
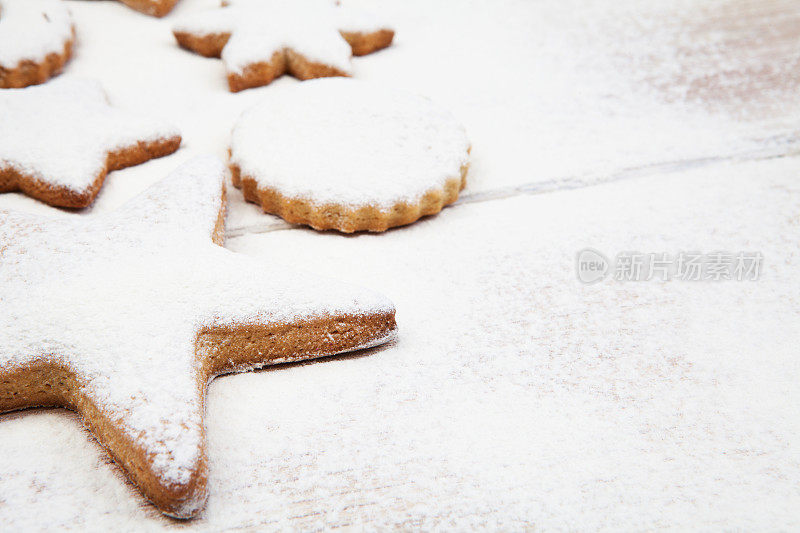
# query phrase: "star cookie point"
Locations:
[[36, 41], [60, 140]]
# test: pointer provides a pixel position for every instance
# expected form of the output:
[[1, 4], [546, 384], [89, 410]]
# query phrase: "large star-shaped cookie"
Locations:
[[126, 317], [58, 141], [260, 40]]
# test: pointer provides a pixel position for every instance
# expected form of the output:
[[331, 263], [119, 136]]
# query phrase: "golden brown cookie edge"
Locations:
[[347, 219], [13, 180], [261, 73], [209, 45], [157, 8], [29, 72], [222, 349], [363, 43]]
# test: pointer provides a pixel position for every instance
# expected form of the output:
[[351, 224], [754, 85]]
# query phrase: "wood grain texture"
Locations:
[[738, 56]]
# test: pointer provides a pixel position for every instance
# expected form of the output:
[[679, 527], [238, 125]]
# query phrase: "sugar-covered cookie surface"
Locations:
[[515, 397], [125, 318], [260, 40], [58, 141], [36, 39], [348, 155]]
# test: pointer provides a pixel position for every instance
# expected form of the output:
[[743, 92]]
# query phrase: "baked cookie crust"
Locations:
[[347, 155], [37, 39], [125, 318], [155, 8], [262, 41], [343, 218], [63, 138]]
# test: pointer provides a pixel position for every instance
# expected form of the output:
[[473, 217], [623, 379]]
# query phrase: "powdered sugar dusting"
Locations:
[[341, 141], [260, 28], [61, 133], [518, 395], [515, 397], [119, 300], [32, 29]]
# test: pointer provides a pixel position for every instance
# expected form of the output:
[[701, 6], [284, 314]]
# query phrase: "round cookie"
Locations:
[[347, 155], [36, 38], [259, 40], [126, 317]]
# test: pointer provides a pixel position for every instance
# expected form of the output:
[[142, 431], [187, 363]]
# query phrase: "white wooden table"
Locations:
[[516, 396]]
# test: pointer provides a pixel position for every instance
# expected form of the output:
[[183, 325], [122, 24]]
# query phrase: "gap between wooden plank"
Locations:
[[564, 184]]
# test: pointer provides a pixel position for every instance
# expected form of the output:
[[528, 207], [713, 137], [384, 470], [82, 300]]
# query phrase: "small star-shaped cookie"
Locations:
[[126, 317], [36, 38], [260, 40], [58, 141]]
